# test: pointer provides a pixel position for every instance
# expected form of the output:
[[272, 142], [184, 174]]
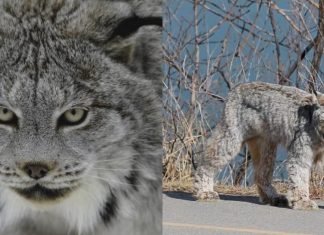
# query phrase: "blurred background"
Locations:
[[211, 46]]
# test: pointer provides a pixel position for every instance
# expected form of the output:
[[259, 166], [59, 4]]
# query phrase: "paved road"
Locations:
[[236, 215]]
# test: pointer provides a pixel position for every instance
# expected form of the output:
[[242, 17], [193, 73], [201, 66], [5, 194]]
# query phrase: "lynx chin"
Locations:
[[80, 122], [263, 116]]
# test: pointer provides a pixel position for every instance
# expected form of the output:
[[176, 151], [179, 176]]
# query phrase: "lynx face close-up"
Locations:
[[80, 136]]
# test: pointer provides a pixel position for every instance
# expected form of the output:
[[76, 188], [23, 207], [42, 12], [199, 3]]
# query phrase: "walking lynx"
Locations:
[[263, 116], [80, 122]]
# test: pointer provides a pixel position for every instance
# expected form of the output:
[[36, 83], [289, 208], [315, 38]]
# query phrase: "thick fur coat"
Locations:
[[100, 174], [264, 116]]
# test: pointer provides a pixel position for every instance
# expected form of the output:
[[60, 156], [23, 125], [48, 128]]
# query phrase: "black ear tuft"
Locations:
[[132, 24]]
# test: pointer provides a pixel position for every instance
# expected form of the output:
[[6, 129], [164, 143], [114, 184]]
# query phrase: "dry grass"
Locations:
[[315, 192], [184, 186], [187, 186]]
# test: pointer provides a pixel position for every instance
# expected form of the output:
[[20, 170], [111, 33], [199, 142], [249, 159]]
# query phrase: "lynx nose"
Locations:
[[36, 170]]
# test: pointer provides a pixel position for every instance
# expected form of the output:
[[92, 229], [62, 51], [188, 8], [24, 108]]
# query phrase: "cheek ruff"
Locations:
[[80, 210]]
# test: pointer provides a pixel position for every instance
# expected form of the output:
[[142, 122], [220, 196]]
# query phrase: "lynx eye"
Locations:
[[73, 117], [7, 116]]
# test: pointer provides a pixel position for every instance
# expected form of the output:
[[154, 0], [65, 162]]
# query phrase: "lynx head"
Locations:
[[318, 115], [75, 113]]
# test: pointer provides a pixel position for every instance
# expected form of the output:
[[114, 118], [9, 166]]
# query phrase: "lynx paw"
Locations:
[[304, 205], [207, 196]]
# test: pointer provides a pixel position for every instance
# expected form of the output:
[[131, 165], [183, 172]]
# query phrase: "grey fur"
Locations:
[[263, 116], [59, 54]]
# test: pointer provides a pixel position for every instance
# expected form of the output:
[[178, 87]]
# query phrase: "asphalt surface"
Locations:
[[236, 215]]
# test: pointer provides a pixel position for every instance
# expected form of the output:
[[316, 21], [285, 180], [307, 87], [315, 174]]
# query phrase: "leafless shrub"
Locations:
[[210, 46]]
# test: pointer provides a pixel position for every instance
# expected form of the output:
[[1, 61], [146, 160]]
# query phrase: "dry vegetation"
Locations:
[[316, 193], [210, 46]]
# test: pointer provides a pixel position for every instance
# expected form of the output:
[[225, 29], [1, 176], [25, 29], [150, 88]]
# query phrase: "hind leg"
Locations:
[[219, 151], [263, 156]]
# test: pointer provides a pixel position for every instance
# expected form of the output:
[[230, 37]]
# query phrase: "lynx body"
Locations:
[[264, 116]]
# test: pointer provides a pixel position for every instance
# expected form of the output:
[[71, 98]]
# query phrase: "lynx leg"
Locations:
[[263, 156], [218, 152], [300, 157], [204, 184]]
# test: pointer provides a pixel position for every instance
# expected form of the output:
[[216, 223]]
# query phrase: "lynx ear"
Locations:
[[121, 50], [316, 98], [128, 32], [309, 100], [137, 45], [126, 44]]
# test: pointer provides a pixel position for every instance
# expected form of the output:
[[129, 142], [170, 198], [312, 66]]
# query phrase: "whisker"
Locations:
[[113, 159], [111, 181], [86, 162], [117, 169]]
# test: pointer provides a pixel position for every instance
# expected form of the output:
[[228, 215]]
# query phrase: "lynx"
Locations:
[[263, 116], [80, 122]]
